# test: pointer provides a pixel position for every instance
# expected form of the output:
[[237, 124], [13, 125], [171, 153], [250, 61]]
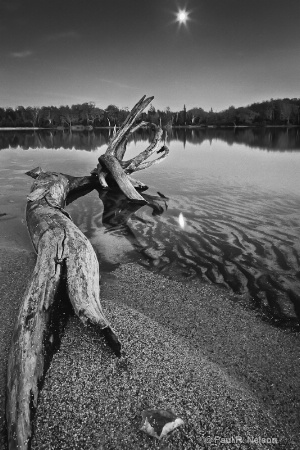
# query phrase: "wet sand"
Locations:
[[188, 347]]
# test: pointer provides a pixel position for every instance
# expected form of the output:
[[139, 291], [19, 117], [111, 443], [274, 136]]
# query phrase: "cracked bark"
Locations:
[[66, 262], [62, 251]]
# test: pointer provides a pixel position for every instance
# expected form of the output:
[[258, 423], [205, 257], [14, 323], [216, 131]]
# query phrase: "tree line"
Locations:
[[272, 112]]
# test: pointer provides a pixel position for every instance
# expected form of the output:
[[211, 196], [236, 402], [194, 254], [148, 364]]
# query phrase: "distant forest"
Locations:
[[273, 112]]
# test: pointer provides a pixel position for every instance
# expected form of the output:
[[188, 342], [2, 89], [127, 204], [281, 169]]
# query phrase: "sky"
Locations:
[[229, 52]]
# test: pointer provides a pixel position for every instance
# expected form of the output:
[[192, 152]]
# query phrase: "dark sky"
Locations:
[[231, 52]]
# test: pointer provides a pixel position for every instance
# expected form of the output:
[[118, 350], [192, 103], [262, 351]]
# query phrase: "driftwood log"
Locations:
[[66, 268]]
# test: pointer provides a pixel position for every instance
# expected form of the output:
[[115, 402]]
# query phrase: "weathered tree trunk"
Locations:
[[62, 251], [64, 257]]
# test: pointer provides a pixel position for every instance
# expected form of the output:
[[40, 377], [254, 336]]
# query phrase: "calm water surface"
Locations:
[[238, 191]]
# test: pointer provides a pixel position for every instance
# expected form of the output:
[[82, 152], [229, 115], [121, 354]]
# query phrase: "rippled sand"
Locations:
[[233, 238]]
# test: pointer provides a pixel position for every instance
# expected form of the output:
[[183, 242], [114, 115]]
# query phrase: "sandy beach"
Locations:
[[15, 269], [189, 347]]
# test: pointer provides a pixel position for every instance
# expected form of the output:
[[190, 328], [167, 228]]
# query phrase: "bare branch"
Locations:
[[111, 162], [128, 123], [139, 125], [121, 149], [132, 165], [146, 165], [137, 184], [113, 166]]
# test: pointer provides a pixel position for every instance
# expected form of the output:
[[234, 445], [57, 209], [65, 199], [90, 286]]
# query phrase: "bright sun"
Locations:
[[182, 16]]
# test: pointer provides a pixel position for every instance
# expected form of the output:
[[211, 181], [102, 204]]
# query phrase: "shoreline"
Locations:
[[23, 128], [189, 127], [188, 346]]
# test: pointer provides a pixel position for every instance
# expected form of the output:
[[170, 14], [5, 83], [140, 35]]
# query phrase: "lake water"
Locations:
[[238, 193]]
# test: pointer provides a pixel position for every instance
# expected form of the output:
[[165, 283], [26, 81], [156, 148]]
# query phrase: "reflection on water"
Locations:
[[239, 206], [264, 138]]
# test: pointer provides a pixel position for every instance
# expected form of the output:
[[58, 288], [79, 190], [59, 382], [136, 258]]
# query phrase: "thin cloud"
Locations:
[[23, 54], [63, 35]]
